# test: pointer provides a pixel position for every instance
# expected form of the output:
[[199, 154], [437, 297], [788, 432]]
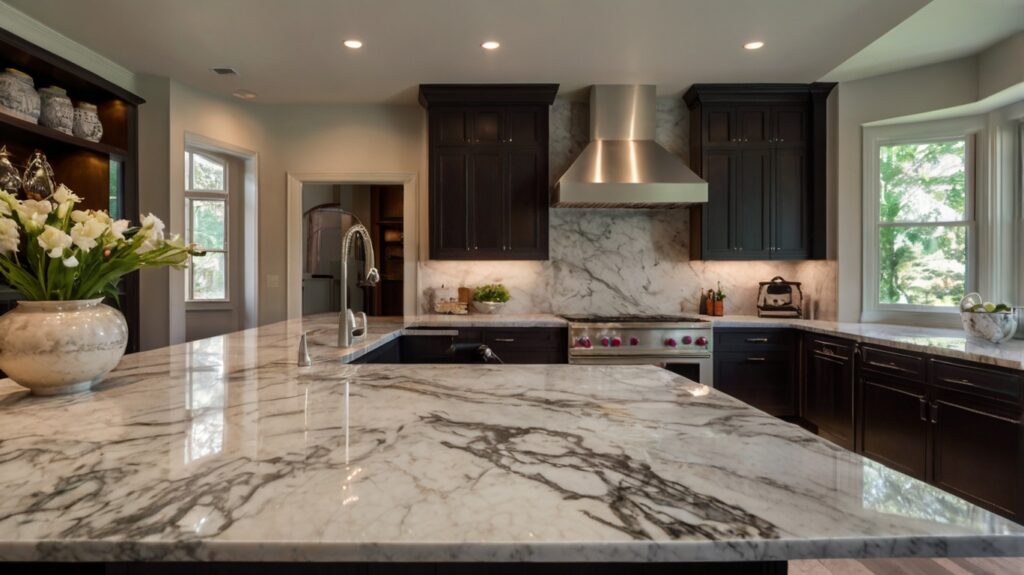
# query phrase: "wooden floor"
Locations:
[[985, 566]]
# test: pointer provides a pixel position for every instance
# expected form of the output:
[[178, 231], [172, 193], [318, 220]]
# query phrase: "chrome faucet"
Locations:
[[349, 330]]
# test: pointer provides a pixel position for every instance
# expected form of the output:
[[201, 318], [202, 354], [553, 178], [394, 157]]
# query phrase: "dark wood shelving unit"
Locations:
[[105, 173]]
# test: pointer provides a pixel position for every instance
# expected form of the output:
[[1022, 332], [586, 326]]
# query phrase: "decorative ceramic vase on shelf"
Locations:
[[57, 111], [18, 96], [87, 122], [58, 347]]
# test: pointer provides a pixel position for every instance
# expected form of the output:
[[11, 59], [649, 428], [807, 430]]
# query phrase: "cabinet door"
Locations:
[[894, 423], [449, 127], [716, 236], [789, 125], [718, 125], [527, 225], [978, 452], [828, 390], [765, 380], [751, 218], [752, 125], [487, 203], [488, 126], [525, 126], [449, 204], [790, 225]]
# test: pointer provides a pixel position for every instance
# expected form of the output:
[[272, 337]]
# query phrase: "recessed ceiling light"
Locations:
[[354, 44], [244, 94], [753, 45], [490, 45]]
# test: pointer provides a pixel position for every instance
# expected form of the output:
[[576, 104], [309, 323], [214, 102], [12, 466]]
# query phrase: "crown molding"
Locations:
[[34, 31]]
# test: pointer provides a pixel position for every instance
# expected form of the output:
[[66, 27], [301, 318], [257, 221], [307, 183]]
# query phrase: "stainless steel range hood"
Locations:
[[623, 167]]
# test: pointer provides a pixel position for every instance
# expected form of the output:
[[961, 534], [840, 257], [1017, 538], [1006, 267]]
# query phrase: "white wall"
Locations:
[[909, 92]]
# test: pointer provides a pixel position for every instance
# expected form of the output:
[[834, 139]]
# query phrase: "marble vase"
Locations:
[[57, 111], [87, 123], [59, 347]]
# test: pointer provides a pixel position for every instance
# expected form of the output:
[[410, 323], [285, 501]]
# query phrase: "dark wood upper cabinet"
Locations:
[[775, 193], [488, 170]]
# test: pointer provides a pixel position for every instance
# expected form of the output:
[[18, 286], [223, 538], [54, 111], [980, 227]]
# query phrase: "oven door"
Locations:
[[693, 368]]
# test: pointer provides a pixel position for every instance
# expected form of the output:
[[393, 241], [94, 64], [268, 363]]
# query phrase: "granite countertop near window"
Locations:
[[953, 343], [224, 449]]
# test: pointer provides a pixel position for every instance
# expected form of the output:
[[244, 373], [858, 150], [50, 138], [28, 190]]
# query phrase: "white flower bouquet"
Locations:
[[51, 251]]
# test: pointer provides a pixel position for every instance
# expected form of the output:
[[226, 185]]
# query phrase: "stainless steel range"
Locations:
[[680, 344]]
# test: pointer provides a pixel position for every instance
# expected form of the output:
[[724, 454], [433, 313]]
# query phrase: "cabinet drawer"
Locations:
[[754, 339], [903, 365], [830, 346], [525, 338], [978, 381], [763, 379]]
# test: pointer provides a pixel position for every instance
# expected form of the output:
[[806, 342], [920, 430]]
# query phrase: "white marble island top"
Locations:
[[225, 450]]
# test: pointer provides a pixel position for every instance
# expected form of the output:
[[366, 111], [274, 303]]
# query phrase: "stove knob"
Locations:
[[702, 341], [634, 341], [583, 342], [670, 342], [604, 341], [616, 341], [687, 340]]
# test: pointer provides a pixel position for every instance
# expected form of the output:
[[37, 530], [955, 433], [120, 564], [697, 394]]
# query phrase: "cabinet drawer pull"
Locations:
[[505, 339], [757, 340], [935, 412], [956, 381], [890, 365], [924, 410], [755, 359]]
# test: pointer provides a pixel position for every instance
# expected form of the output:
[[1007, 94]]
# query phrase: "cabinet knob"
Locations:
[[782, 139]]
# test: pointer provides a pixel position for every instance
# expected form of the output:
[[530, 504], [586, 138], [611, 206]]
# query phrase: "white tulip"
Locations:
[[117, 230], [71, 262], [9, 237], [33, 214], [64, 195], [54, 241], [8, 200], [84, 234]]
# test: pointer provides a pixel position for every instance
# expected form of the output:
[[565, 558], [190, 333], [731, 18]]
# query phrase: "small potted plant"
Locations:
[[490, 298], [63, 262], [719, 301]]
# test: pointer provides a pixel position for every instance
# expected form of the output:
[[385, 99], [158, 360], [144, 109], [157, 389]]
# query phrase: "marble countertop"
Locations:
[[224, 449], [953, 343]]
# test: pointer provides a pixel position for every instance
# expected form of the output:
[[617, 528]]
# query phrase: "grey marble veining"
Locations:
[[224, 449]]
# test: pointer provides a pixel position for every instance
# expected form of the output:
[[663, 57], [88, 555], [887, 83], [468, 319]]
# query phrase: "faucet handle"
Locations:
[[360, 325], [304, 359]]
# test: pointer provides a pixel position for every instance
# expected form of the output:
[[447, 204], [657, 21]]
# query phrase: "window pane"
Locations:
[[207, 175], [922, 265], [923, 182], [208, 223], [208, 276]]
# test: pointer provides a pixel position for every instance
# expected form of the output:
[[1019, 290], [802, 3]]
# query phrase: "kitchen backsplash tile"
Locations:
[[623, 261]]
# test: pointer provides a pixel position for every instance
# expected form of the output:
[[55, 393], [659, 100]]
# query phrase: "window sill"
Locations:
[[945, 318], [224, 305]]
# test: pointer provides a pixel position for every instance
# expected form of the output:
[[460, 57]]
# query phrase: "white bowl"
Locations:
[[996, 327], [488, 306]]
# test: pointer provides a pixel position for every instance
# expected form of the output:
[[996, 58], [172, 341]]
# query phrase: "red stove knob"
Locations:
[[616, 341], [583, 342], [634, 341], [702, 341], [687, 340], [671, 342], [605, 341]]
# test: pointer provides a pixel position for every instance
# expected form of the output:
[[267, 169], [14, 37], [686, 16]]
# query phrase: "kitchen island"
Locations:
[[224, 450]]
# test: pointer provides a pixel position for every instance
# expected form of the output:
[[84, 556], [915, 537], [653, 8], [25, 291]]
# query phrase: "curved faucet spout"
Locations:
[[349, 331]]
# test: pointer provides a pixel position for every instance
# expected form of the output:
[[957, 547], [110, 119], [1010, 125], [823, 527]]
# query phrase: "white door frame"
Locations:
[[294, 234]]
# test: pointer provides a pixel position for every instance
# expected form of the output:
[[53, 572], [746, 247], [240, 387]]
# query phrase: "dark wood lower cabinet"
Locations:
[[759, 367], [512, 345], [894, 424], [828, 388]]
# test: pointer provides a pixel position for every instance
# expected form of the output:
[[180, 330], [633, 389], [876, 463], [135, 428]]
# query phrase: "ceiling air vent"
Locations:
[[224, 71]]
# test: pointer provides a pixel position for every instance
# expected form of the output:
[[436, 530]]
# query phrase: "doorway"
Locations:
[[392, 223], [328, 212]]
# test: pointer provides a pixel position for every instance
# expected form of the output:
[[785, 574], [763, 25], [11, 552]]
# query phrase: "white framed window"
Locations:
[[206, 224], [919, 220]]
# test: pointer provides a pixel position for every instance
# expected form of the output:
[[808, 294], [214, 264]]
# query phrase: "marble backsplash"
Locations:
[[623, 261]]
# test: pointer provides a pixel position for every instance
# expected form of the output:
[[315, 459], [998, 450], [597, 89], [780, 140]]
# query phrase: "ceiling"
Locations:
[[942, 30], [291, 51]]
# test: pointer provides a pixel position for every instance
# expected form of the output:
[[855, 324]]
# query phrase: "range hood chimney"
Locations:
[[622, 166]]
